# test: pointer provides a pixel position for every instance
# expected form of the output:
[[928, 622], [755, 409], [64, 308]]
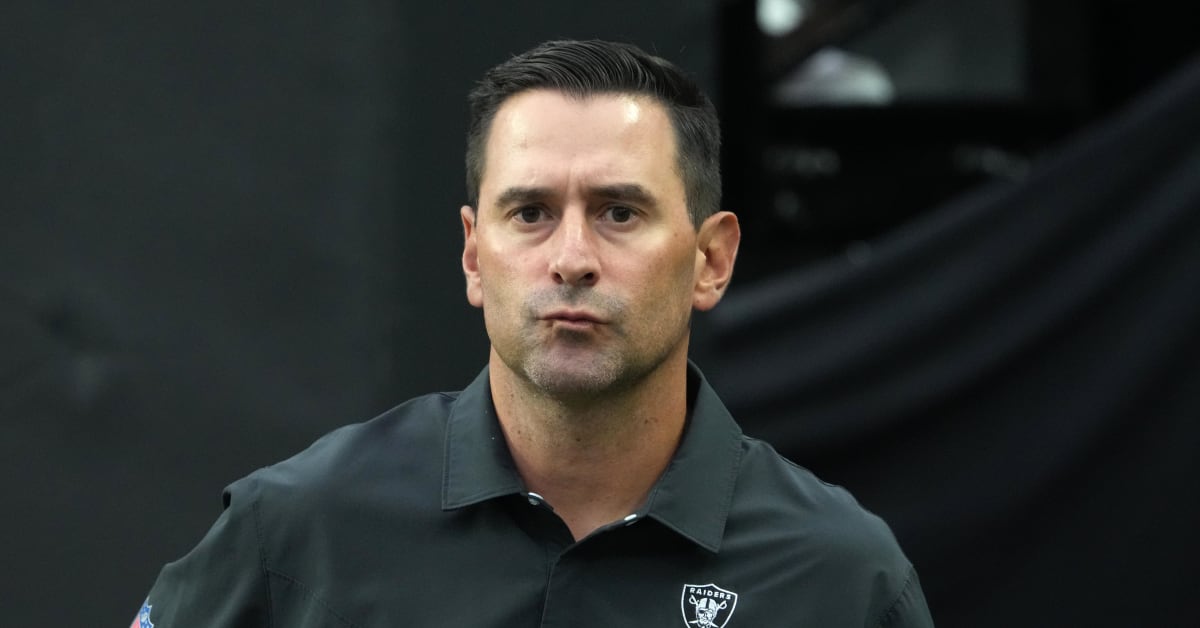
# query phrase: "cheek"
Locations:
[[683, 268], [499, 282], [666, 281], [500, 308]]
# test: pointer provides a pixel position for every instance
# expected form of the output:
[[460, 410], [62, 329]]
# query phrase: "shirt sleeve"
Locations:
[[222, 582], [909, 610]]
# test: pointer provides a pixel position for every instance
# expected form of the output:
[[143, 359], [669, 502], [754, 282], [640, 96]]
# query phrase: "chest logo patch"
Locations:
[[707, 605]]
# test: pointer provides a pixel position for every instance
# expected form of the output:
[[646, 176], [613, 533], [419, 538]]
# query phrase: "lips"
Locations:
[[572, 316]]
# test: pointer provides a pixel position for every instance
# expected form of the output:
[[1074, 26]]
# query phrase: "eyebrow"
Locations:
[[623, 192], [522, 195]]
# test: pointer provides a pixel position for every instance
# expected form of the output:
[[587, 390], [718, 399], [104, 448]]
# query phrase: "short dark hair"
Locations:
[[585, 68]]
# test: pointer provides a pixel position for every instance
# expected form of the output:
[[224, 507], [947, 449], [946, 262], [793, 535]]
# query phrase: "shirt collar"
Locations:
[[477, 464], [694, 494], [692, 497]]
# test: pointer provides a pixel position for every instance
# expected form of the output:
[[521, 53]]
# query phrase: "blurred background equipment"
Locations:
[[847, 118]]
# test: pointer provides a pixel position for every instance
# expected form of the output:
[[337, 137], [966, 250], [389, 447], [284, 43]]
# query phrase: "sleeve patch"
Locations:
[[143, 617]]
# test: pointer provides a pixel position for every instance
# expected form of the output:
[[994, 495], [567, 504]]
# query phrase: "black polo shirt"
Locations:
[[418, 518]]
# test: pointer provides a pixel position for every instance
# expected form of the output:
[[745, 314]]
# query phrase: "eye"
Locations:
[[621, 213], [529, 214]]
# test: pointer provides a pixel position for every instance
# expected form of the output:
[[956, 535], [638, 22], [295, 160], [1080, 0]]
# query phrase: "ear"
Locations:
[[716, 250], [470, 257]]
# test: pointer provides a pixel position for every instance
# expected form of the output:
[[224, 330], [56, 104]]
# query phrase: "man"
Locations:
[[589, 476]]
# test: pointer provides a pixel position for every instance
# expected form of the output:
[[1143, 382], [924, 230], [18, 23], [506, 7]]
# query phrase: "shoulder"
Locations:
[[814, 515], [403, 443], [814, 535], [289, 520]]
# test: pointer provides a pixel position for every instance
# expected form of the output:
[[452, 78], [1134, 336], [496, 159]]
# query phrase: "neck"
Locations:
[[593, 462]]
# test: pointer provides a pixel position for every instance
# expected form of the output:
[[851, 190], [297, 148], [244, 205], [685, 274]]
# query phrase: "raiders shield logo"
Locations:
[[707, 605]]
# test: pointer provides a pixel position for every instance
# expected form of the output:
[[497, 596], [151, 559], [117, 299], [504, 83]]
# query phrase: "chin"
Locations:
[[586, 376], [574, 380]]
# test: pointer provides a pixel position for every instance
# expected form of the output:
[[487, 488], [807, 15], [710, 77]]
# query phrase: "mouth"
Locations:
[[572, 318]]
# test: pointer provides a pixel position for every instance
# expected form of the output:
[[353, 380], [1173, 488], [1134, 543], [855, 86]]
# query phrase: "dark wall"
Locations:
[[225, 230]]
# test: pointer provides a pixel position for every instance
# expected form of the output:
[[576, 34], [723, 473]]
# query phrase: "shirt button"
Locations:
[[630, 519], [535, 499]]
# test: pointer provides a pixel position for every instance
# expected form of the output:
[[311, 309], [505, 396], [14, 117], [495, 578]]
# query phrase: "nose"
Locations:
[[574, 259]]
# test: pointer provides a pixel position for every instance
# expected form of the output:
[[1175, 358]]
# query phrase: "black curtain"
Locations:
[[1012, 380]]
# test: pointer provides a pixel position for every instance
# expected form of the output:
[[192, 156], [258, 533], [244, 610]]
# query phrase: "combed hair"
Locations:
[[584, 68]]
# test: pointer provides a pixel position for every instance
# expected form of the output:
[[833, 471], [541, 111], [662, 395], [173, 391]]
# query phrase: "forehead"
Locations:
[[608, 135]]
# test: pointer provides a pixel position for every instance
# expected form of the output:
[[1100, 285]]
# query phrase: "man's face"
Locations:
[[581, 252]]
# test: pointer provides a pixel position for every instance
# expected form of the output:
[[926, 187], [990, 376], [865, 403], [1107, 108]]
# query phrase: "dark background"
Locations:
[[227, 229]]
